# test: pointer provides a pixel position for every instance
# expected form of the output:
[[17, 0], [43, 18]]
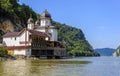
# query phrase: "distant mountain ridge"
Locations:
[[105, 51]]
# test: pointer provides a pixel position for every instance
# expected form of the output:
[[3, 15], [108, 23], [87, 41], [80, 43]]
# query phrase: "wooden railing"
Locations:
[[45, 46]]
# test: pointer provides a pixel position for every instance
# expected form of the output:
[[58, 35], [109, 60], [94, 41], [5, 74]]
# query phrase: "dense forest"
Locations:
[[73, 38]]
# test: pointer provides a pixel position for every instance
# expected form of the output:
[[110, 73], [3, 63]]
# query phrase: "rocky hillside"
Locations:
[[14, 17], [117, 51], [74, 40]]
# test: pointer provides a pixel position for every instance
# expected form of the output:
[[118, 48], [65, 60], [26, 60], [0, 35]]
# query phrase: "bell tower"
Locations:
[[45, 18], [45, 25], [30, 24]]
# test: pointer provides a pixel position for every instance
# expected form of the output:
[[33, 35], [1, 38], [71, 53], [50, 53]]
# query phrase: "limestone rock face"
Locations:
[[7, 25], [117, 52]]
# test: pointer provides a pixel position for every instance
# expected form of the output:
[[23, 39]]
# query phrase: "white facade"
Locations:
[[45, 22], [51, 31], [16, 41], [30, 26], [40, 29], [22, 39], [19, 52], [25, 52], [12, 41], [54, 34]]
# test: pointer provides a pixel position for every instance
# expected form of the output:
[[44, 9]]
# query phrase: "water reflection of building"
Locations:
[[38, 39], [19, 68]]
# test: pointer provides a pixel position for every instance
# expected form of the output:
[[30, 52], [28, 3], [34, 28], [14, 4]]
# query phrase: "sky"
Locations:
[[98, 19]]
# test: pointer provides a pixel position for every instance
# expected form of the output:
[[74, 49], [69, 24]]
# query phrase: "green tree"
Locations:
[[3, 52], [24, 12], [17, 13], [6, 5]]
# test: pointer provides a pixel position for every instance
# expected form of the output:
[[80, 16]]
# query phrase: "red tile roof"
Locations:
[[13, 34], [16, 47], [38, 33]]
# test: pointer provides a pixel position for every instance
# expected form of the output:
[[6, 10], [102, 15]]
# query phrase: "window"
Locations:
[[15, 38], [42, 21], [30, 38], [46, 22]]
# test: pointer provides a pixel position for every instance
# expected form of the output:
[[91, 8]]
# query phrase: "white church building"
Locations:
[[39, 39]]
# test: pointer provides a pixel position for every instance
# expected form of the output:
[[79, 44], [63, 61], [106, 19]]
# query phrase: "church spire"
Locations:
[[30, 23], [30, 20]]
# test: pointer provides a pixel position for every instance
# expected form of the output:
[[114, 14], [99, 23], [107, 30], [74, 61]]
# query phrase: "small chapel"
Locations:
[[38, 39]]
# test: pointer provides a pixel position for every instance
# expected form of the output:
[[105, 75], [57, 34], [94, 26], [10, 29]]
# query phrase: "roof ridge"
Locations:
[[39, 33], [11, 34]]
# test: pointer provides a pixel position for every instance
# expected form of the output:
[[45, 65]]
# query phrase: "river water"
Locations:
[[83, 66]]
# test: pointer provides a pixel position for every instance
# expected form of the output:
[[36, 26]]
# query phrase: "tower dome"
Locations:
[[37, 22], [45, 14], [30, 20], [30, 23]]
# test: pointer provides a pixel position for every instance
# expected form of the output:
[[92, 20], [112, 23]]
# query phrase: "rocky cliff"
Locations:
[[117, 52]]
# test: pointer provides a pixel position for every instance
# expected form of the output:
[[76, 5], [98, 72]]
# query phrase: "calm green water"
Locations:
[[84, 66]]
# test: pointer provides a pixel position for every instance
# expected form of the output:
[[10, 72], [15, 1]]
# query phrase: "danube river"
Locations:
[[83, 66]]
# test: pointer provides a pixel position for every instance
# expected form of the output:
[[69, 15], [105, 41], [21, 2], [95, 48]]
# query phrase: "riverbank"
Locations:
[[20, 57], [7, 58]]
